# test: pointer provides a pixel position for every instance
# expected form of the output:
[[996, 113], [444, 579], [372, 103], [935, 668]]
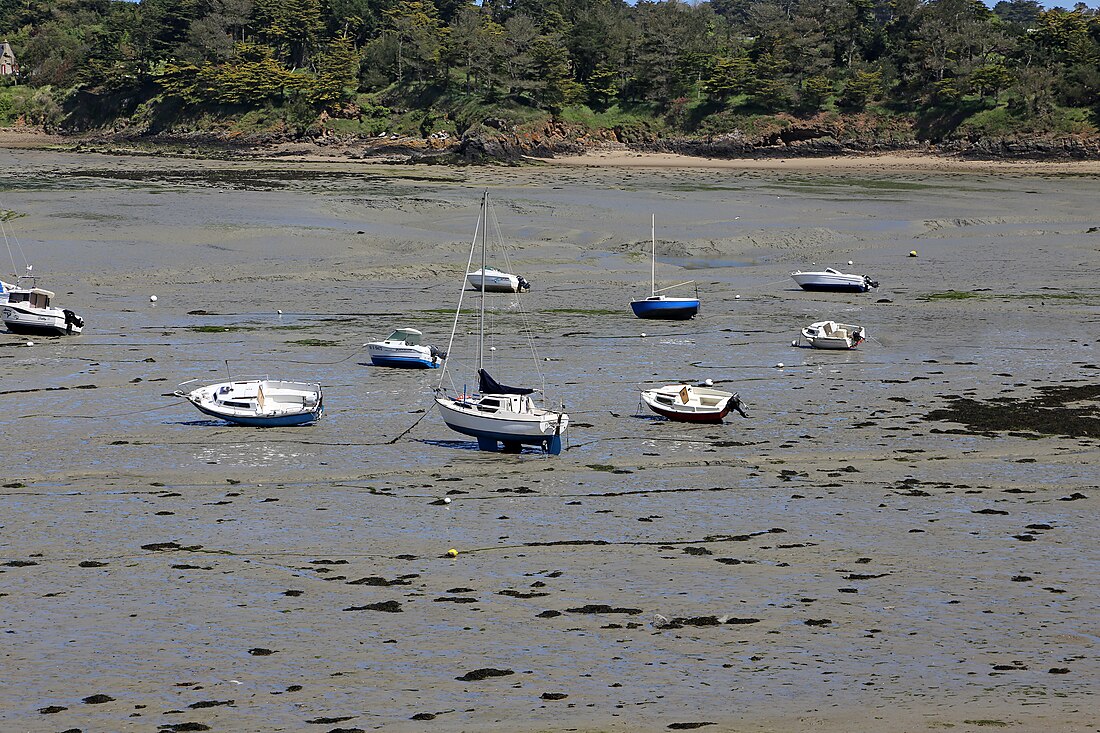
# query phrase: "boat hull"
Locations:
[[38, 322], [259, 403], [281, 421], [693, 417], [703, 405], [832, 282], [678, 309], [402, 357], [496, 281], [513, 430], [402, 362], [832, 336]]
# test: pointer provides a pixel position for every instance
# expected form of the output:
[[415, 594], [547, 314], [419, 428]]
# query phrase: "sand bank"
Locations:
[[841, 560]]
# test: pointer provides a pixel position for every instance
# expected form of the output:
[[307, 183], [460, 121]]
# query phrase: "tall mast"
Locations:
[[653, 255], [484, 236]]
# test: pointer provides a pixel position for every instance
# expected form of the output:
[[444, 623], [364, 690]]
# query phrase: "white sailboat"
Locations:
[[497, 413]]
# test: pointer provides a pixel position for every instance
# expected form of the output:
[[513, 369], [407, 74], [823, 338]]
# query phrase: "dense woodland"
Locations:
[[942, 67]]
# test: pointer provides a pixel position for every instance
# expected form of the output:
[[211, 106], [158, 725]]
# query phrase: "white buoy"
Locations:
[[30, 343], [279, 312], [643, 335], [446, 500], [794, 343], [492, 348], [152, 299], [737, 297], [779, 365], [708, 382]]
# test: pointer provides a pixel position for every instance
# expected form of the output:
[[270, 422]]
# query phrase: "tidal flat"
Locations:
[[901, 537]]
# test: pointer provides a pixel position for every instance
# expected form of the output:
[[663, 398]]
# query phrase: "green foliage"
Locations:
[[860, 88], [443, 64]]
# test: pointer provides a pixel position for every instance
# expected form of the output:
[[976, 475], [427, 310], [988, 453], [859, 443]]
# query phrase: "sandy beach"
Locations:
[[900, 537]]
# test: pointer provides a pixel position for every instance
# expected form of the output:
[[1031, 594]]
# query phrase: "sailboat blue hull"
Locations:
[[487, 440], [281, 421], [671, 310]]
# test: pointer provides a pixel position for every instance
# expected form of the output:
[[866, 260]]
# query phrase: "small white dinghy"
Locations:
[[28, 310], [402, 348], [687, 403], [831, 280], [833, 335], [497, 281], [264, 403]]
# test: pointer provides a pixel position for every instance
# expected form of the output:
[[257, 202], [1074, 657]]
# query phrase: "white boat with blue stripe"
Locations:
[[261, 403], [402, 349]]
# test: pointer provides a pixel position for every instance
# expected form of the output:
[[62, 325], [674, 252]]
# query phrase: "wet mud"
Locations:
[[897, 538]]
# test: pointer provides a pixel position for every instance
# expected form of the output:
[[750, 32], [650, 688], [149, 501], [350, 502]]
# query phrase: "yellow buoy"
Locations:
[[452, 552], [912, 253]]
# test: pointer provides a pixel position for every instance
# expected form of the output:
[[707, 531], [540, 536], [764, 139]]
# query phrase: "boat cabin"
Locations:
[[407, 336], [33, 297]]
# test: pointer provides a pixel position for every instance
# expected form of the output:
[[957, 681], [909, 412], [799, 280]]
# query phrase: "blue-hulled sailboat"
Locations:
[[658, 306]]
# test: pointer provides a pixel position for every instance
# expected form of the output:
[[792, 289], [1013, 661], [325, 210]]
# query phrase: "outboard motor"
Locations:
[[437, 353], [869, 283], [524, 286], [72, 319]]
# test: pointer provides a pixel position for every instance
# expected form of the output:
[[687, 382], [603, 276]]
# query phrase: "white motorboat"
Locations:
[[402, 348], [687, 403], [496, 413], [833, 280], [833, 335], [497, 281], [258, 402], [28, 310]]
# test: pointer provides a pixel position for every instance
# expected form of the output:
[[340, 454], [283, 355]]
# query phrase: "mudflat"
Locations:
[[900, 537]]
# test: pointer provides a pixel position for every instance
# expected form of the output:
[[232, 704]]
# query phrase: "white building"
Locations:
[[8, 65]]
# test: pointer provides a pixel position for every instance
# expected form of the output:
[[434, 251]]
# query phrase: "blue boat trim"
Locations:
[[487, 440], [402, 362], [679, 310], [283, 421]]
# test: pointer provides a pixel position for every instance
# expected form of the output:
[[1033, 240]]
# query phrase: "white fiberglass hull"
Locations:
[[532, 426], [259, 402], [45, 321], [495, 281], [832, 335], [395, 354], [831, 280], [683, 403]]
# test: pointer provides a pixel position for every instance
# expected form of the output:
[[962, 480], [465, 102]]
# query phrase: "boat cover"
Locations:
[[488, 385]]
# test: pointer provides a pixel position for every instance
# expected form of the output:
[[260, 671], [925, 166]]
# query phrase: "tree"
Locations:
[[291, 27], [553, 86], [729, 76], [990, 79], [337, 72], [860, 88], [419, 33]]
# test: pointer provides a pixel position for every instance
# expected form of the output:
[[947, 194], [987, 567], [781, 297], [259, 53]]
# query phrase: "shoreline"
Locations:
[[358, 155]]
